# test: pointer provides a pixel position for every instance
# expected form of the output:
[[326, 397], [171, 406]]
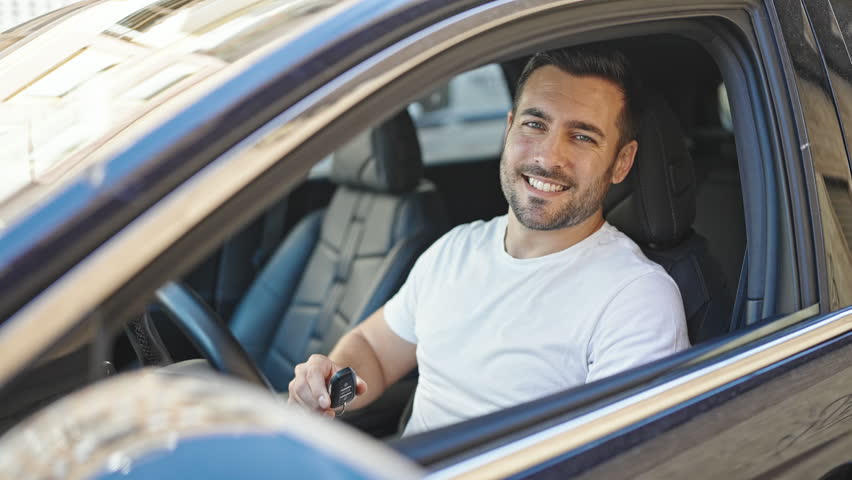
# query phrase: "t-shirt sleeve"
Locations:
[[643, 322], [400, 309]]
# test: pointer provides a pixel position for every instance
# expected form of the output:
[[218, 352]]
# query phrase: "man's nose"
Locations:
[[554, 152]]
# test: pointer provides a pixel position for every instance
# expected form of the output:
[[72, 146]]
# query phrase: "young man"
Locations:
[[547, 297]]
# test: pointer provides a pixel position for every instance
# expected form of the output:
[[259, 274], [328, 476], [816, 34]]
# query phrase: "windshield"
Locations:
[[79, 89]]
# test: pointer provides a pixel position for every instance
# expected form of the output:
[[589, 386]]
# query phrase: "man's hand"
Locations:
[[372, 349], [310, 387]]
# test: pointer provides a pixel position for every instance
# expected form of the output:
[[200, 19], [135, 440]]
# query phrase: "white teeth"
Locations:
[[544, 187]]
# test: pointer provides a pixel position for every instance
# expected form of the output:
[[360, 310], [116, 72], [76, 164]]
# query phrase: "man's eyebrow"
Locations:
[[536, 112], [577, 124], [581, 125]]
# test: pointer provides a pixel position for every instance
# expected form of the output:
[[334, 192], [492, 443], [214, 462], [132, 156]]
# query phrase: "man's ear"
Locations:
[[624, 161], [509, 118]]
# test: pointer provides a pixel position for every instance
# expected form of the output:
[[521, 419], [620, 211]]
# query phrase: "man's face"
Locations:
[[561, 152]]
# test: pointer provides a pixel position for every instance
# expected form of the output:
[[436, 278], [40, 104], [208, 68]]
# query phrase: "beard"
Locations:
[[538, 213]]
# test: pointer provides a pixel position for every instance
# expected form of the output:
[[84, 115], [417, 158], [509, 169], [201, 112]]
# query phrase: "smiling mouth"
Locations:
[[544, 186]]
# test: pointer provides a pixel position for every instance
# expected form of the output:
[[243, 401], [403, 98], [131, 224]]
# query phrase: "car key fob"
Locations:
[[341, 387]]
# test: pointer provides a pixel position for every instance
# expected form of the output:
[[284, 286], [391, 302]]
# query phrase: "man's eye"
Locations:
[[534, 124], [585, 138]]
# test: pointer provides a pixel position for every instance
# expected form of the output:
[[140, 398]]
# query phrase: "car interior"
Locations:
[[317, 263]]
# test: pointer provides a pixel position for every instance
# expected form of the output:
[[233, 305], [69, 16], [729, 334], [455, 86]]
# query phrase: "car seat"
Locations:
[[340, 264]]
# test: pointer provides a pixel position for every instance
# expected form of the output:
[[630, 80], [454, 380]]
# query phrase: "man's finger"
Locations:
[[316, 378], [360, 386], [293, 390], [304, 396], [323, 363], [294, 399]]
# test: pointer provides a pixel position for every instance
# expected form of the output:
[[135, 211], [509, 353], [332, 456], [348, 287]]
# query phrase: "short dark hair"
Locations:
[[593, 60]]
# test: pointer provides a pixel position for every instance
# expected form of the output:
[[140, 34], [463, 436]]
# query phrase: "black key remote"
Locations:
[[341, 387]]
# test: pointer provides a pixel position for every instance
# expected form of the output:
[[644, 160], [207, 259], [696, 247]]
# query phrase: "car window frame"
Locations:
[[806, 311], [691, 355], [776, 78]]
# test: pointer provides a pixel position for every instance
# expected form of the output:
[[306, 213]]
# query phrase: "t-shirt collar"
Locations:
[[561, 256]]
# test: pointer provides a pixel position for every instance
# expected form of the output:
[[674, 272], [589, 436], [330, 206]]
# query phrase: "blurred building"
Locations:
[[13, 12]]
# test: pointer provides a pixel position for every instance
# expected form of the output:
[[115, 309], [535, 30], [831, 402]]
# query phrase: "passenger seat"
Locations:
[[340, 264]]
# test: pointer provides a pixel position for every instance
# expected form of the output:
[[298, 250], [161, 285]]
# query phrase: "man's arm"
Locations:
[[378, 355], [643, 322]]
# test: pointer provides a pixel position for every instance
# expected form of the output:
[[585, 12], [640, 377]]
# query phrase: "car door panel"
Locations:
[[791, 420]]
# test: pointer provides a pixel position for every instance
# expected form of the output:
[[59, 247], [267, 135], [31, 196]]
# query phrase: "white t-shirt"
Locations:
[[493, 331]]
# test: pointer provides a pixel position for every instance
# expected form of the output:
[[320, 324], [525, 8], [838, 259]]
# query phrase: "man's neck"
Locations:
[[522, 242]]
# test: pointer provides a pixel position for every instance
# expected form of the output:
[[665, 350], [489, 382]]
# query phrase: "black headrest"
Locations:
[[383, 159], [655, 205]]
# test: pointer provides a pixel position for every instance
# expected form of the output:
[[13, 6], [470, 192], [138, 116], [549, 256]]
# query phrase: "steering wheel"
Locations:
[[202, 326]]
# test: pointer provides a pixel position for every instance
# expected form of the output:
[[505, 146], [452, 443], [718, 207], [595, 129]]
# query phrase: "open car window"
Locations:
[[460, 135]]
